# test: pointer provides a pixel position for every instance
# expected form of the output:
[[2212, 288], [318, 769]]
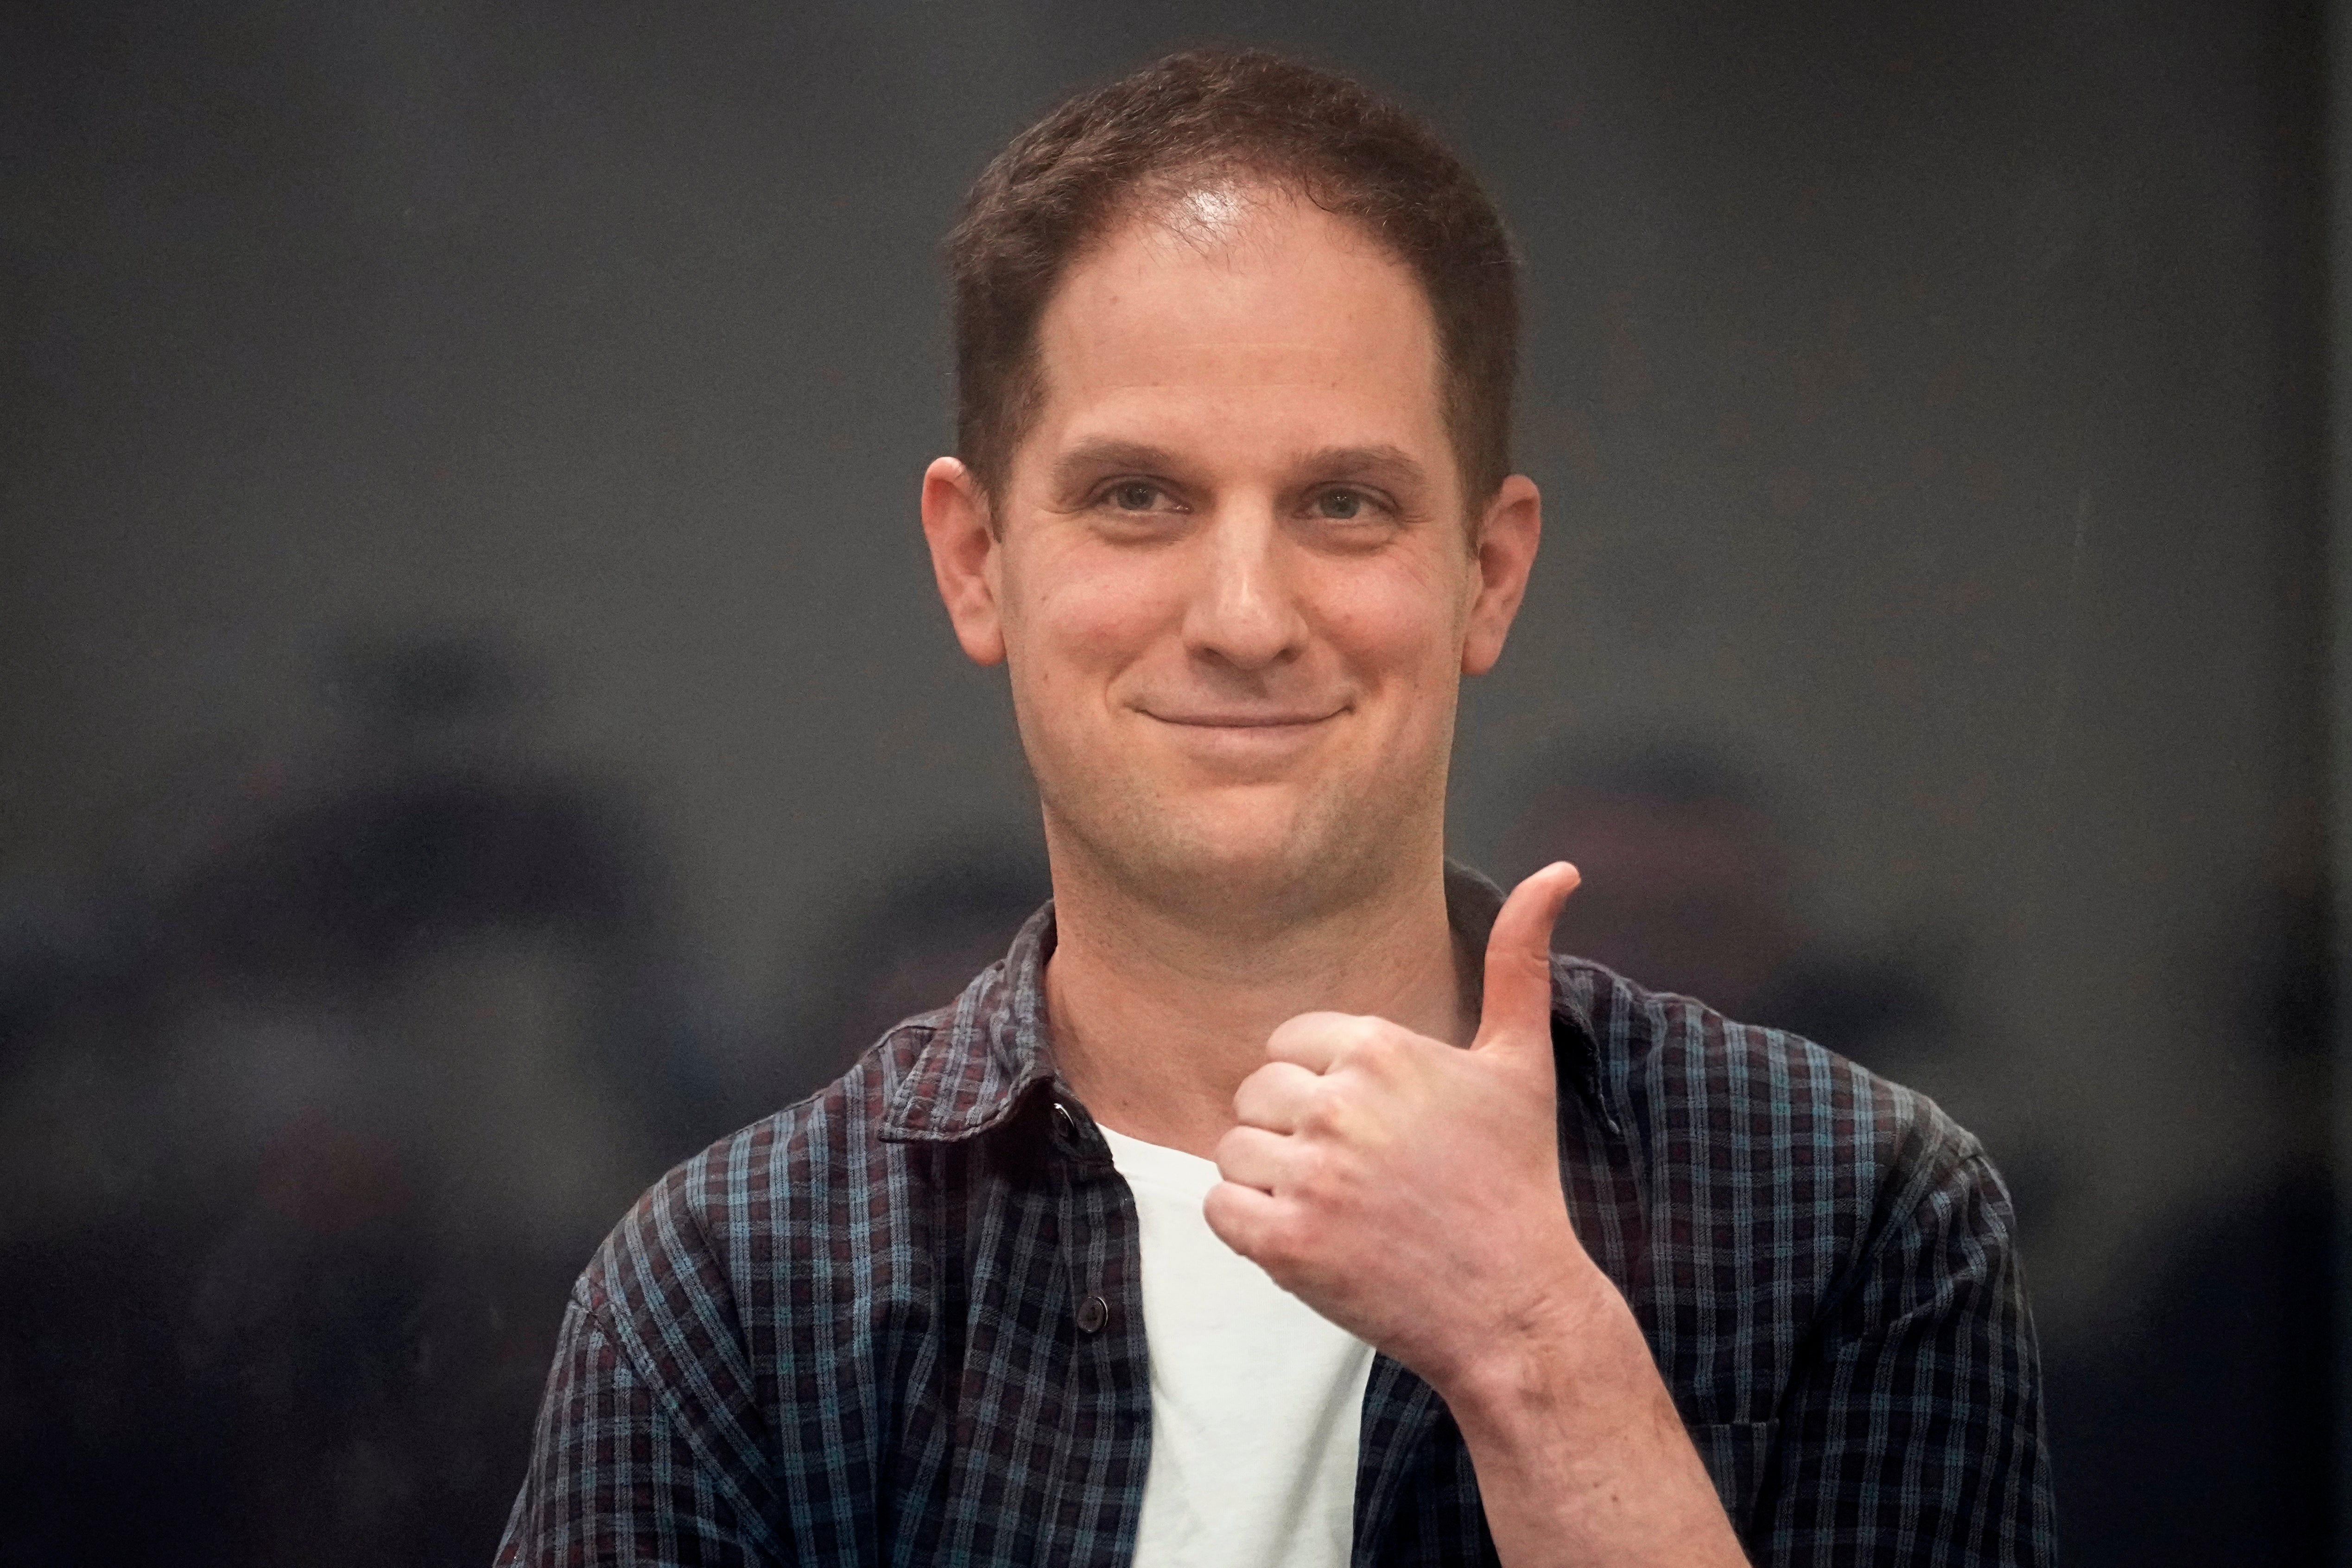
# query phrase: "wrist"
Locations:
[[1580, 1454], [1573, 1354]]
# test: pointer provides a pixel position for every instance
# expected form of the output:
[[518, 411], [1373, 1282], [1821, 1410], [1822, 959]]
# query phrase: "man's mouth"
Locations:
[[1253, 719]]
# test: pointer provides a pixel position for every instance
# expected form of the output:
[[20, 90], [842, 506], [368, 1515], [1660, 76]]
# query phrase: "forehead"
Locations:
[[1242, 315]]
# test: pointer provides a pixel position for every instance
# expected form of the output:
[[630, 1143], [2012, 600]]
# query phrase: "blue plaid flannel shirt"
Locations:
[[900, 1322]]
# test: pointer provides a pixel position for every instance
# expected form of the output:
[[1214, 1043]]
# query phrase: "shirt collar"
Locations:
[[992, 1047]]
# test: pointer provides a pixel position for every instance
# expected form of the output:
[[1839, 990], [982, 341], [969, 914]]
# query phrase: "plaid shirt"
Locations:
[[899, 1322]]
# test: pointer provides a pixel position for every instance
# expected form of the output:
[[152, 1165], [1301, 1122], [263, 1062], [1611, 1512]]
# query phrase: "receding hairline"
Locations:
[[1224, 117], [1172, 202]]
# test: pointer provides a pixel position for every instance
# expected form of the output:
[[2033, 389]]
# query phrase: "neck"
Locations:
[[1158, 1014]]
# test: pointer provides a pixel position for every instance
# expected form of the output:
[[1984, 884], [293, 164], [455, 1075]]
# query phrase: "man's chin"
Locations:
[[1248, 860]]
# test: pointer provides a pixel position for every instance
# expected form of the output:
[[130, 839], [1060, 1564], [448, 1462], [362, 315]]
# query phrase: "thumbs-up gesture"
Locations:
[[1407, 1190]]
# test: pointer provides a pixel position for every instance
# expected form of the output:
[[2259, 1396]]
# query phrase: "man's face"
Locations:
[[1230, 572]]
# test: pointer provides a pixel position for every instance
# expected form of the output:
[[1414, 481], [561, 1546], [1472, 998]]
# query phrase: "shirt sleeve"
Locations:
[[1912, 1431], [615, 1478]]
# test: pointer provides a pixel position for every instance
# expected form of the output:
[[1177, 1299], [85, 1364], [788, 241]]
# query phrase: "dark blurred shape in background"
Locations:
[[1693, 873], [479, 726], [2200, 1423], [310, 1134]]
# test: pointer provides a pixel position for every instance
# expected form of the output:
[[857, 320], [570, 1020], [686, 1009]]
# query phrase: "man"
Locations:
[[1279, 1197]]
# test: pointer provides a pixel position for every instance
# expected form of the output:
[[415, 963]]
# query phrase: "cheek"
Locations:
[[1072, 609], [1401, 619]]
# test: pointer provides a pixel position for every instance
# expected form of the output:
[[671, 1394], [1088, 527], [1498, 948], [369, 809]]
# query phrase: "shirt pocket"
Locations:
[[1736, 1453]]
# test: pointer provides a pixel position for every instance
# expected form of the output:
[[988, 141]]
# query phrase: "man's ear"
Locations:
[[1507, 534], [964, 557]]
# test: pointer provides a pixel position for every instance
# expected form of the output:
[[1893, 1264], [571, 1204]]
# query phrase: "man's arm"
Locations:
[[648, 1449], [1580, 1454], [1411, 1193], [612, 1477], [1910, 1432], [1913, 1432]]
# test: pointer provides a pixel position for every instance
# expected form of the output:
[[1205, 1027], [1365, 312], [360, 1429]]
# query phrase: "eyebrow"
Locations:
[[1390, 466], [1382, 464], [1088, 458]]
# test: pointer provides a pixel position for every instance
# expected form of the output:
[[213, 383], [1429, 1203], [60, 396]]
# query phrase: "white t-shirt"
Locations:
[[1256, 1401]]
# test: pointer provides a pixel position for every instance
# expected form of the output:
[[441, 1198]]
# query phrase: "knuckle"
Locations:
[[1376, 1046], [1290, 1036], [1285, 1242], [1320, 1176], [1325, 1115]]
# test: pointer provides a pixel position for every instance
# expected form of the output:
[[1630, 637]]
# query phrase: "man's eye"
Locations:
[[1133, 495], [1339, 506]]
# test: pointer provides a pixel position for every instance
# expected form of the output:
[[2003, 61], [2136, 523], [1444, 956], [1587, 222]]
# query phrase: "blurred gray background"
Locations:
[[478, 725]]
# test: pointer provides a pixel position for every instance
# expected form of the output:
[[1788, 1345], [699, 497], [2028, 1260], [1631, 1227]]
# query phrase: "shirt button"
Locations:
[[1066, 1126], [1093, 1313]]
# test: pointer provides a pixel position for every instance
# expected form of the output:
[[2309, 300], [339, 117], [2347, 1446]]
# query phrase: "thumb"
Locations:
[[1517, 1006]]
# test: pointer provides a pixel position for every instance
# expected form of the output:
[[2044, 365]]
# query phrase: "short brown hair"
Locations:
[[1200, 118]]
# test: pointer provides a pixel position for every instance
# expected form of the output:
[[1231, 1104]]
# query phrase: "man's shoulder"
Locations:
[[1691, 1086], [709, 1234]]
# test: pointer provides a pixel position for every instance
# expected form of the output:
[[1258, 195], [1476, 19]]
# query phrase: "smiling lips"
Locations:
[[1246, 743], [1243, 720]]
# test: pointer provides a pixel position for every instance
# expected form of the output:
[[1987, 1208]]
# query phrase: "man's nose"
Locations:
[[1245, 613]]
